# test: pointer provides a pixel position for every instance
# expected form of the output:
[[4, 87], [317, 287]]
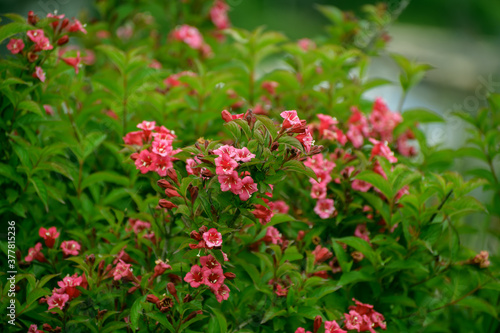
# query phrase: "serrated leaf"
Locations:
[[30, 106], [104, 176], [41, 190], [13, 28]]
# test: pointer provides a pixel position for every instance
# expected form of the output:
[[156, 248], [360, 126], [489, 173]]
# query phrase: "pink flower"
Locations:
[[57, 301], [70, 248], [279, 206], [35, 35], [39, 73], [134, 138], [49, 236], [321, 254], [194, 277], [362, 232], [270, 86], [147, 125], [225, 165], [381, 149], [290, 119], [333, 327], [230, 182], [281, 291], [248, 187], [273, 236], [146, 161], [218, 15], [209, 262], [77, 26], [301, 330], [140, 226], [15, 45], [360, 185], [226, 150], [68, 286], [35, 253], [306, 139], [212, 238], [189, 35], [160, 268], [263, 213], [243, 155], [306, 44], [122, 270], [213, 278], [74, 61], [318, 191], [48, 109], [34, 329], [222, 293], [162, 147], [324, 208]]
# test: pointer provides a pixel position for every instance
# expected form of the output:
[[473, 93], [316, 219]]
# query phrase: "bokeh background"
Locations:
[[460, 38]]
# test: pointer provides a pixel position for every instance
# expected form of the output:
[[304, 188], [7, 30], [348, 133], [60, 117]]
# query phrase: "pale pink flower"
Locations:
[[290, 119], [70, 248], [230, 182], [212, 238], [324, 208], [248, 187], [39, 73], [57, 301], [243, 155]]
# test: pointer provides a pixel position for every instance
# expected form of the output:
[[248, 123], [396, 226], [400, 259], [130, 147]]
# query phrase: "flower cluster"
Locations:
[[218, 15], [67, 291], [159, 154], [362, 317], [192, 37], [36, 41], [210, 273], [68, 247]]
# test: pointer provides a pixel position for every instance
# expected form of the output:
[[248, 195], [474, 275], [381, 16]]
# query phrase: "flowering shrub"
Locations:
[[171, 173]]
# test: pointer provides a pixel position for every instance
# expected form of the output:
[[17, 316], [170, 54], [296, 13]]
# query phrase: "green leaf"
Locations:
[[362, 246], [13, 28], [294, 165], [41, 190], [36, 294], [291, 254], [271, 313], [105, 176], [30, 106], [421, 115], [479, 304], [135, 312], [269, 125], [116, 56], [162, 319], [221, 319], [378, 181]]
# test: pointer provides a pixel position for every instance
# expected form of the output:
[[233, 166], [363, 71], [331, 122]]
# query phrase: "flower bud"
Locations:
[[152, 299], [134, 156], [32, 57], [317, 323], [275, 146], [166, 204], [171, 193], [195, 235], [301, 235], [172, 175], [100, 314], [206, 173], [230, 276], [192, 315], [90, 259], [188, 298], [226, 116], [63, 40], [171, 289], [42, 300], [203, 229], [193, 190], [64, 23], [32, 18]]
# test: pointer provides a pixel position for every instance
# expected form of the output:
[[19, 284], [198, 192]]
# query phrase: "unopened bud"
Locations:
[[317, 323], [90, 259], [193, 190], [230, 275], [134, 156], [275, 146], [171, 193], [203, 229], [301, 235], [32, 18], [64, 23], [101, 313], [63, 40], [195, 235], [152, 299], [166, 204], [226, 116], [172, 175], [206, 173], [192, 315], [32, 57], [171, 289]]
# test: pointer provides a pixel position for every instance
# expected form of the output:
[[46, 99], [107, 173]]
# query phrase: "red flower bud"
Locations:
[[203, 229], [63, 40], [171, 193], [193, 190], [230, 276], [226, 116], [175, 278], [172, 175], [152, 299], [171, 289], [192, 315], [166, 204], [301, 235], [32, 18], [64, 23], [317, 323], [164, 184], [134, 156], [206, 173], [195, 235]]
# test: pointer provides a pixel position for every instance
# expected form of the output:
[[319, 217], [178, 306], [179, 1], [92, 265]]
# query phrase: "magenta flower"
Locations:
[[189, 35], [147, 125], [290, 119], [273, 236], [306, 139], [218, 15], [362, 232], [243, 155], [74, 61], [230, 182], [57, 301], [146, 161], [39, 73], [134, 138], [222, 293], [209, 262], [162, 147], [70, 248], [301, 330], [321, 254], [77, 26], [49, 236], [213, 278], [360, 185], [34, 253], [263, 213], [122, 270], [226, 150], [194, 277], [225, 165], [324, 208], [318, 191], [15, 45], [212, 238], [248, 187], [68, 286], [35, 35], [381, 149], [333, 327]]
